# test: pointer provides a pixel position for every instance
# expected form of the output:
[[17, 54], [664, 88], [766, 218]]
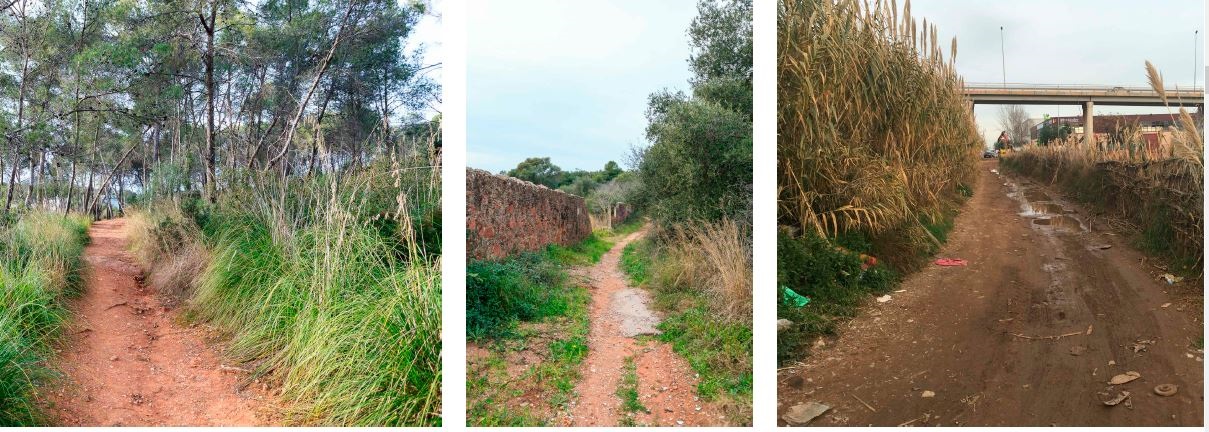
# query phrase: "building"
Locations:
[[1154, 128]]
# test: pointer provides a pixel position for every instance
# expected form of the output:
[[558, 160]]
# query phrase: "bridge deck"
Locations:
[[1040, 94]]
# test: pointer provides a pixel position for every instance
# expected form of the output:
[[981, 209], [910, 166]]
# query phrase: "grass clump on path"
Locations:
[[40, 264]]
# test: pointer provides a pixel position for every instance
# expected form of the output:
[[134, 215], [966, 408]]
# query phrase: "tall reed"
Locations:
[[1157, 188], [873, 131]]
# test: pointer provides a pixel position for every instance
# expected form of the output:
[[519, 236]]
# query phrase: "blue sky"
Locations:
[[1069, 42], [568, 80]]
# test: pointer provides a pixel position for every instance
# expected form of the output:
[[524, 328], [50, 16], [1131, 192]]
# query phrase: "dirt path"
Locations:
[[127, 362], [619, 316], [975, 335]]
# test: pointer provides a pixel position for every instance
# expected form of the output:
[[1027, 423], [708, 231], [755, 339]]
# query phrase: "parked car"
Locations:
[[989, 154]]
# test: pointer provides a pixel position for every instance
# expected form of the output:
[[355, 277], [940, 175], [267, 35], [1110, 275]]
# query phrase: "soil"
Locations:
[[619, 316], [126, 361], [1028, 334]]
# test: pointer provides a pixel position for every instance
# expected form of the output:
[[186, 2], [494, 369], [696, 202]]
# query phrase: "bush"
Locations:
[[834, 280], [501, 293]]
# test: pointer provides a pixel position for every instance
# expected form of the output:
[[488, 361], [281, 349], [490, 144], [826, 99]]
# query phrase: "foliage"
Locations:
[[1051, 132], [499, 294], [40, 264], [832, 277], [538, 171], [699, 165]]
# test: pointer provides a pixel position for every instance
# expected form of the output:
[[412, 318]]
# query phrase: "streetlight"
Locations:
[[1002, 56], [1194, 53]]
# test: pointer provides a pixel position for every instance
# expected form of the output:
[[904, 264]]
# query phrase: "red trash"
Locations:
[[949, 262]]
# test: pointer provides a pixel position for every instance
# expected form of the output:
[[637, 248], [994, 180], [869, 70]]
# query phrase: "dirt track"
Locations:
[[666, 384], [127, 362], [977, 336]]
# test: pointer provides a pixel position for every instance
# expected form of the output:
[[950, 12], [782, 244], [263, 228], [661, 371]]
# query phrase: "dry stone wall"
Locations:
[[505, 215]]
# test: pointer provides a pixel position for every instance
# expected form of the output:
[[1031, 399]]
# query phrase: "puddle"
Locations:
[[1045, 213], [1048, 208], [1059, 222]]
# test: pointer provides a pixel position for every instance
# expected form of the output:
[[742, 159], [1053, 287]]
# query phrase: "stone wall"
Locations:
[[621, 212], [505, 215]]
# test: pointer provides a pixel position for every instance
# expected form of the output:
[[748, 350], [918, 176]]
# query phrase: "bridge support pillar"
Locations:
[[1089, 131]]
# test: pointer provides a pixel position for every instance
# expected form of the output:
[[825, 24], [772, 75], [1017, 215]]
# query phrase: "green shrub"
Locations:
[[833, 280], [585, 252], [525, 287]]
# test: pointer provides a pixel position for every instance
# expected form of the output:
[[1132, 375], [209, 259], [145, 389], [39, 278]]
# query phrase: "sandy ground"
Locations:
[[1049, 309], [127, 362], [667, 386]]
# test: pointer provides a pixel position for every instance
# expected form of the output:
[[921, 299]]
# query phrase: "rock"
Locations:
[[679, 422], [801, 414], [884, 298], [1166, 389], [1112, 362], [1116, 400], [1165, 305], [1124, 378], [928, 394], [784, 324], [114, 358]]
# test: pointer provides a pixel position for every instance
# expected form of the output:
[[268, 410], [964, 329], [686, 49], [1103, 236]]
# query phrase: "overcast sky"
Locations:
[[1070, 42], [568, 80]]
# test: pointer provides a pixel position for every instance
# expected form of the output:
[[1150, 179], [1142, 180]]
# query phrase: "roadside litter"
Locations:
[[1166, 389], [801, 414], [951, 262], [1170, 278], [794, 299]]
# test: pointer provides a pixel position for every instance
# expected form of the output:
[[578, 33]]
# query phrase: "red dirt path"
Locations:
[[127, 362]]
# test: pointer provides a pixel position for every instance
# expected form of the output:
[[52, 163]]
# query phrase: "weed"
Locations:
[[585, 252], [628, 390]]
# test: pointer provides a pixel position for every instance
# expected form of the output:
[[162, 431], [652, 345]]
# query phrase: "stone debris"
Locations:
[[803, 413]]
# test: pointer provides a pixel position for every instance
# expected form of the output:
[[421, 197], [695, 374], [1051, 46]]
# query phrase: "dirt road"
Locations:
[[619, 318], [127, 361], [1048, 310]]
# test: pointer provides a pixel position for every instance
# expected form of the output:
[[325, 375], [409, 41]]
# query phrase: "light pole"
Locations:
[[1194, 54], [1002, 56]]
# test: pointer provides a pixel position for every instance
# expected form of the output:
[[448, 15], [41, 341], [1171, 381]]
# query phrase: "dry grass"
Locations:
[[714, 258], [1159, 187], [873, 131], [168, 245]]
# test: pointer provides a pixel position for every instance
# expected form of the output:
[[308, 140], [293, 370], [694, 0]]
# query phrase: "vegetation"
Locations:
[[694, 182], [520, 309], [40, 265], [1155, 188], [853, 173], [284, 176]]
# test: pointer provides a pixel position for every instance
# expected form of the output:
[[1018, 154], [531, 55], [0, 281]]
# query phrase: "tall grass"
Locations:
[[873, 132], [40, 264], [701, 275], [1158, 189], [327, 285]]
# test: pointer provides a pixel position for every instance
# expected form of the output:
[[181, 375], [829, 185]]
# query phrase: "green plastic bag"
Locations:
[[793, 298]]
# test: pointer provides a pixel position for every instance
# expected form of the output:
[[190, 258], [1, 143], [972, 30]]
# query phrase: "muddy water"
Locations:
[[1047, 214]]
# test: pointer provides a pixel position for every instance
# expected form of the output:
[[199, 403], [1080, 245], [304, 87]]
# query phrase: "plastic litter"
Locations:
[[1171, 279], [951, 262], [794, 299]]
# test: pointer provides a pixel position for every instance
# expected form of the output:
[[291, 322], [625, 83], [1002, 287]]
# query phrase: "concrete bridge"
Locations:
[[1086, 96]]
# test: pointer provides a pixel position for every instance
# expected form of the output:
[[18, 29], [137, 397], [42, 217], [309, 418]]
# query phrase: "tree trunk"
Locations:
[[323, 65], [211, 175]]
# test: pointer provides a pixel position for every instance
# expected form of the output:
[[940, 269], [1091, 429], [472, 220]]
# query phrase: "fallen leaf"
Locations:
[[1124, 378]]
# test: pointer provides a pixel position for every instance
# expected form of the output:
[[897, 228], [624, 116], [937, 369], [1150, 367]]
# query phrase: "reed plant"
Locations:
[[873, 132], [1154, 188]]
